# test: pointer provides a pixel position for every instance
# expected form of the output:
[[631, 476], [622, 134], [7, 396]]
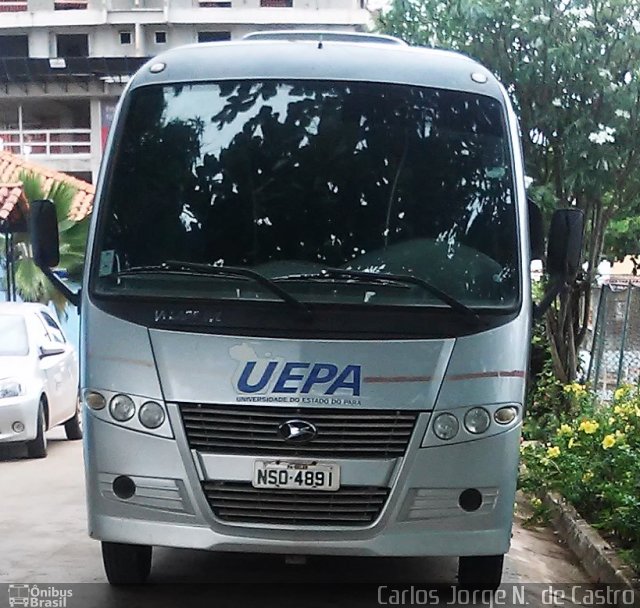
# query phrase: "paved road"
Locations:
[[43, 539]]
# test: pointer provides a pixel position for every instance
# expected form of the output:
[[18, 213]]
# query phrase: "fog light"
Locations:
[[477, 420], [17, 427], [505, 415], [446, 426], [122, 408], [124, 487], [470, 500], [94, 400], [151, 415]]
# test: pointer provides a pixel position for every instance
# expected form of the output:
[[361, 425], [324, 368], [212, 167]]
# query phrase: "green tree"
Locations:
[[623, 238], [571, 70], [31, 284]]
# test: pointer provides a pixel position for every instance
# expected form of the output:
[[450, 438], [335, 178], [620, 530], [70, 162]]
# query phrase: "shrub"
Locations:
[[593, 460]]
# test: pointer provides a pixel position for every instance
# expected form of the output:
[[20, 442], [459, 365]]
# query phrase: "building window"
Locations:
[[11, 6], [213, 36], [70, 5], [214, 4], [14, 46], [161, 37], [276, 3], [125, 37], [72, 45]]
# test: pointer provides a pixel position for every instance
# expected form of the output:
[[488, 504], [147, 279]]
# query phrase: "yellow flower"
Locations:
[[553, 452], [536, 502], [627, 428], [608, 442], [620, 436], [619, 411], [619, 393], [611, 419], [589, 426], [588, 476], [575, 388], [564, 429], [571, 443]]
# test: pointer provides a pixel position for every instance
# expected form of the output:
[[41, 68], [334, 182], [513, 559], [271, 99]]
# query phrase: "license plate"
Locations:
[[290, 475]]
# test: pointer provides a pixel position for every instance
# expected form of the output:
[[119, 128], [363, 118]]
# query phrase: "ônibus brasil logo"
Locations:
[[262, 375], [38, 596]]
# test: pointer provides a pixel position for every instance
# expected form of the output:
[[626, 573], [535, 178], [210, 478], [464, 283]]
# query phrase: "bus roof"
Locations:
[[319, 60], [322, 35]]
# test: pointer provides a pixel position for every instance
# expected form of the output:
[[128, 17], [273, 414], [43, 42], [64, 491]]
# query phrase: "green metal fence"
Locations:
[[612, 348]]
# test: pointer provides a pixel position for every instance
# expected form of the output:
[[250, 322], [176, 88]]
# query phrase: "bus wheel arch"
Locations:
[[126, 564], [483, 572]]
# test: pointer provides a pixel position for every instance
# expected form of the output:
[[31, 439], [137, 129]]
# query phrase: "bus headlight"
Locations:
[[151, 415], [122, 408], [477, 420], [95, 400], [506, 415], [446, 426]]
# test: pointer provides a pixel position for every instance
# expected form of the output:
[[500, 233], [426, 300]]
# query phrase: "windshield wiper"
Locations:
[[329, 273], [194, 269]]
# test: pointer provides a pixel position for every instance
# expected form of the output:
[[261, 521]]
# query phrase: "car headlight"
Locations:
[[10, 387], [151, 415], [446, 426], [477, 420], [122, 408]]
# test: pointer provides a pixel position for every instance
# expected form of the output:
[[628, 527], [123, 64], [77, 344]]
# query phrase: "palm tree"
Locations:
[[31, 284]]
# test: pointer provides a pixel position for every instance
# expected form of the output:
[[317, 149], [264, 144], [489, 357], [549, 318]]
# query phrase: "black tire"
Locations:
[[482, 572], [73, 426], [126, 564], [37, 448]]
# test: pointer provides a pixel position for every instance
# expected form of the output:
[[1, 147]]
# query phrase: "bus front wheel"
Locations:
[[480, 571], [126, 564]]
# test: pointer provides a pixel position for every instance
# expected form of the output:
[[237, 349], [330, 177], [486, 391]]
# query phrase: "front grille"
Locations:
[[341, 433], [240, 502]]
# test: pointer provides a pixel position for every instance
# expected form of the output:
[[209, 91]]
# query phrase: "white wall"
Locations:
[[101, 23], [39, 43]]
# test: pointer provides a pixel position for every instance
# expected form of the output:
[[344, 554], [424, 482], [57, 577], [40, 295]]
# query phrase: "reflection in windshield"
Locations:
[[291, 177]]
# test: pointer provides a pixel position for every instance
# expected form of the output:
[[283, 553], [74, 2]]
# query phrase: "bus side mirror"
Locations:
[[564, 248], [44, 234], [536, 231], [45, 244]]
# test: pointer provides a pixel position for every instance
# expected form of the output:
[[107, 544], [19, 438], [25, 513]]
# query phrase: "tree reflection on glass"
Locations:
[[300, 175]]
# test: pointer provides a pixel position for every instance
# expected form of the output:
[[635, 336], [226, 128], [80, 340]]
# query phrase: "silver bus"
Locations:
[[306, 310]]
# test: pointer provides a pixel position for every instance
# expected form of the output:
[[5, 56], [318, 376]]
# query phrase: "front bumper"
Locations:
[[421, 516], [22, 409]]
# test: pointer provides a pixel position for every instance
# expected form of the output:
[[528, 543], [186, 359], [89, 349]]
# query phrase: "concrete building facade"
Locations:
[[64, 63]]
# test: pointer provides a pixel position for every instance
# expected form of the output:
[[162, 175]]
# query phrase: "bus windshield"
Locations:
[[291, 178]]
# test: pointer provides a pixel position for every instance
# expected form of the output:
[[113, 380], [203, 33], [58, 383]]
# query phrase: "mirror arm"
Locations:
[[552, 293], [60, 285]]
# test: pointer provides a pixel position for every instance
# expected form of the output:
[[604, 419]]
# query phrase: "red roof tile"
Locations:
[[12, 200], [11, 168]]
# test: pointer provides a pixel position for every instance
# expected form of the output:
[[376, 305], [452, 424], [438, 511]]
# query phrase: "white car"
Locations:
[[38, 378]]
